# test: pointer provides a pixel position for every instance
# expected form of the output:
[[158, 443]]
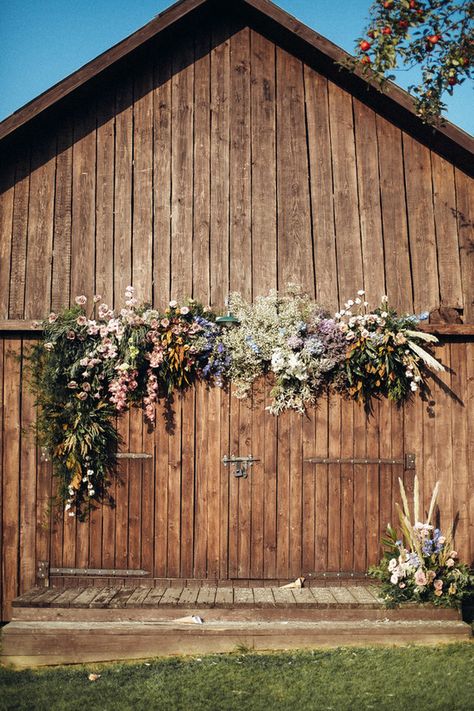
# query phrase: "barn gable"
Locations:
[[220, 148]]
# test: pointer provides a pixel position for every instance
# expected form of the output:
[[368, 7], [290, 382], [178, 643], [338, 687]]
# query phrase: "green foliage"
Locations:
[[437, 678], [437, 35]]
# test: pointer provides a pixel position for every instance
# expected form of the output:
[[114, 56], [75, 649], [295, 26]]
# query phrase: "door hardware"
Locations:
[[242, 464]]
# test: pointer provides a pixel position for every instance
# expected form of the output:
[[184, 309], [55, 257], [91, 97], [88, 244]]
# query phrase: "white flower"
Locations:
[[97, 298], [413, 386], [361, 292], [67, 507], [349, 303], [357, 301], [394, 579], [173, 304], [384, 299], [184, 310], [80, 300], [71, 513], [49, 346], [384, 314], [364, 333], [392, 564], [366, 303], [337, 315]]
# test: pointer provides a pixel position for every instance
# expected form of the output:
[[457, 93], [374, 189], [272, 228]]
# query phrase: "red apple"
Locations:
[[403, 24], [387, 4], [434, 39], [371, 34], [412, 4], [452, 81], [364, 45], [366, 59], [387, 31]]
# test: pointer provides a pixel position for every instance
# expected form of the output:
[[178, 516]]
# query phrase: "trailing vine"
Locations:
[[88, 369]]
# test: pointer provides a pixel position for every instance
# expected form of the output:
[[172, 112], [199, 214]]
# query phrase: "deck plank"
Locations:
[[323, 596], [137, 597], [86, 597], [283, 597], [189, 596], [104, 598], [67, 597], [207, 596], [171, 597], [343, 595], [263, 597], [224, 597], [154, 596], [243, 597], [121, 598]]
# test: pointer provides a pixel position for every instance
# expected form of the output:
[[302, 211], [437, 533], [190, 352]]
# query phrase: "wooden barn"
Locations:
[[222, 147]]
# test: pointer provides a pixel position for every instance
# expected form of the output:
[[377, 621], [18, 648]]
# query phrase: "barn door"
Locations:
[[353, 478], [320, 490]]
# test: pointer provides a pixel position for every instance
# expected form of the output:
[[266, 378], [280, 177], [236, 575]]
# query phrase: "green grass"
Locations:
[[432, 678]]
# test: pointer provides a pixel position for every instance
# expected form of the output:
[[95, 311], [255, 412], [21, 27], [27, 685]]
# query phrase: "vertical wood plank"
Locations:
[[321, 176], [224, 415], [421, 225], [263, 179], [142, 235], [346, 202], [334, 484], [295, 247], [447, 246], [61, 276], [187, 485], [257, 482], [446, 458], [162, 181], [220, 139], [27, 513], [395, 229], [123, 188], [201, 505], [40, 228], [244, 530], [387, 472], [369, 201], [240, 159], [373, 487], [161, 494], [83, 205], [464, 212], [469, 402], [214, 467], [460, 448], [174, 492], [296, 494], [104, 243], [271, 501], [283, 496], [202, 157], [182, 170], [7, 191], [11, 473], [360, 490], [148, 503], [135, 489], [122, 496], [234, 488], [321, 530], [347, 486], [19, 236]]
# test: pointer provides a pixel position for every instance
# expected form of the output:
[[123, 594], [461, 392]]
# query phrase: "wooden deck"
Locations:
[[72, 625]]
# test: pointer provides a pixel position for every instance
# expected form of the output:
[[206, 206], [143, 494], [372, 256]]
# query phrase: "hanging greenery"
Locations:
[[89, 368]]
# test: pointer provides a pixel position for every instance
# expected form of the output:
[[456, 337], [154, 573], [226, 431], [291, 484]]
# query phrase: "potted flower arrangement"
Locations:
[[421, 565]]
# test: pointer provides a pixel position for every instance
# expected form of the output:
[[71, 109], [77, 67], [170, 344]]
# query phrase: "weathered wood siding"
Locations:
[[228, 163], [182, 514], [218, 162]]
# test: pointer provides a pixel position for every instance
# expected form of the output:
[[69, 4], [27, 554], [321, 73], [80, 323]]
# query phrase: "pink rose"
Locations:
[[81, 321], [184, 310], [453, 554], [52, 317], [82, 396], [97, 298], [80, 300], [72, 385], [70, 335], [449, 563], [86, 387], [420, 577], [438, 584]]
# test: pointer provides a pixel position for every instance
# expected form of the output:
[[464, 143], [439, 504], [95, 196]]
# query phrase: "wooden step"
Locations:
[[43, 643]]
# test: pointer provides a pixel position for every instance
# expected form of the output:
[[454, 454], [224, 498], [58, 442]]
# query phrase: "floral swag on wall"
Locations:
[[90, 367]]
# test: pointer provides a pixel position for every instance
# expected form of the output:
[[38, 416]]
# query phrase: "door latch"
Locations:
[[242, 464]]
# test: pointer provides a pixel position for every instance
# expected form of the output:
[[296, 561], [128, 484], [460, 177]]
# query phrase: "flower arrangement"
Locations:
[[384, 356], [289, 338], [421, 566], [91, 367]]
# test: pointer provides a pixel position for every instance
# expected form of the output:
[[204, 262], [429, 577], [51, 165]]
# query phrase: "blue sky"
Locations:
[[44, 41]]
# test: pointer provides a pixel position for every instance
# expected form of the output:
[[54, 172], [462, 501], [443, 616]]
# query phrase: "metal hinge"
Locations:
[[408, 461]]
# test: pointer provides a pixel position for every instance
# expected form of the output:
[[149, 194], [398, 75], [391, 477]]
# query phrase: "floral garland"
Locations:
[[421, 566], [89, 368]]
